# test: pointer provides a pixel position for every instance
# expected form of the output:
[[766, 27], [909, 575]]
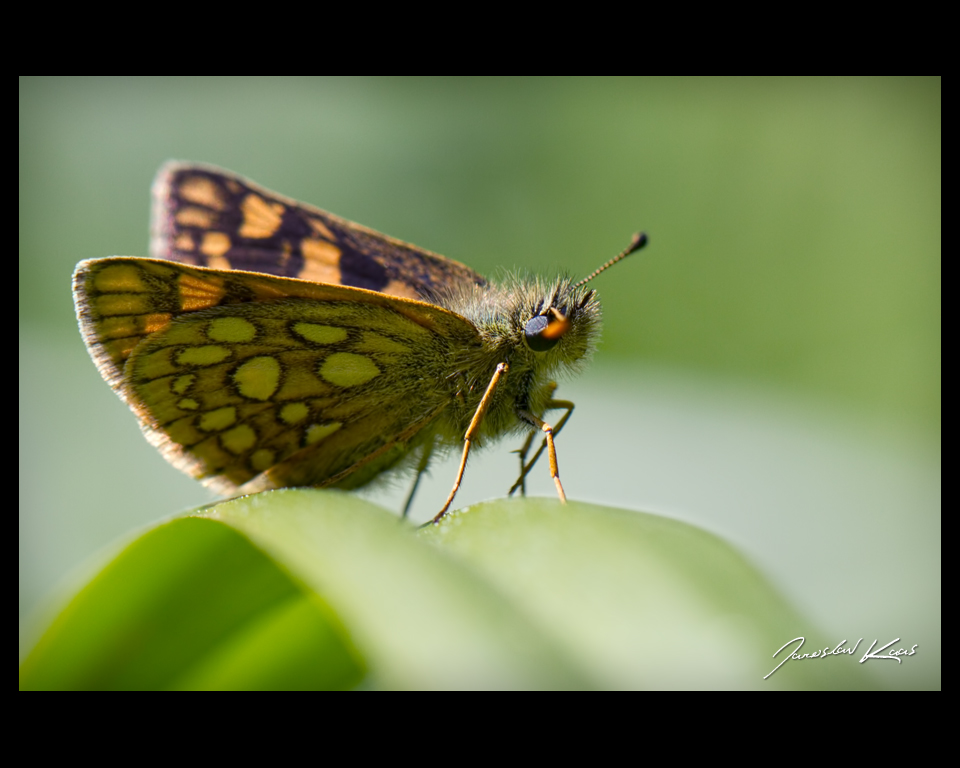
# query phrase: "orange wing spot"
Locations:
[[399, 288], [215, 244], [202, 191], [199, 292], [315, 249], [120, 278], [319, 228], [195, 217], [218, 262], [234, 186], [155, 322], [184, 242], [317, 272], [260, 218]]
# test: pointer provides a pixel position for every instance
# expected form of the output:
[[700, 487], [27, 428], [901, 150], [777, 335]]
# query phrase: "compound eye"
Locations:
[[544, 331]]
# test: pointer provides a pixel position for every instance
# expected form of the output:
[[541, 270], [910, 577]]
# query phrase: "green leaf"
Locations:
[[320, 589], [192, 604], [641, 601]]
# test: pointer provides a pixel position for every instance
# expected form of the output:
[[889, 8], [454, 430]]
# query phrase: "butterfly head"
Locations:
[[546, 327], [557, 323], [571, 314]]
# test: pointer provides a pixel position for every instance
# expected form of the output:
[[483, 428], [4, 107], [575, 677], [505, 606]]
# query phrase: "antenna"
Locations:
[[639, 240]]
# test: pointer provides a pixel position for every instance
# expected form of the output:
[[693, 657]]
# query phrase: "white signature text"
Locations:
[[839, 650]]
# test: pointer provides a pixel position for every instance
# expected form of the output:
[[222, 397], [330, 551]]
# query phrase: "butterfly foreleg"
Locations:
[[471, 432]]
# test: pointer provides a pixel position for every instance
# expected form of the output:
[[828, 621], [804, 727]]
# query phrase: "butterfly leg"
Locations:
[[522, 480], [421, 468], [501, 371], [548, 445]]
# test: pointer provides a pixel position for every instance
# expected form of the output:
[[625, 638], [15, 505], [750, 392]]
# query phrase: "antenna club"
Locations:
[[639, 240]]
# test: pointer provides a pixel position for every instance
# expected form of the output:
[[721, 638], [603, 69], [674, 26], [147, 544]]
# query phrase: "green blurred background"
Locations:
[[770, 367]]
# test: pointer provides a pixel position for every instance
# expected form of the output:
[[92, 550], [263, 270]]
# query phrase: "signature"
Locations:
[[839, 650]]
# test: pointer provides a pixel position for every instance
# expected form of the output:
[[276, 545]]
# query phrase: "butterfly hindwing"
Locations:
[[209, 217]]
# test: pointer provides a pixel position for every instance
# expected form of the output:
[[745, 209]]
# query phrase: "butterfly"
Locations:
[[267, 343]]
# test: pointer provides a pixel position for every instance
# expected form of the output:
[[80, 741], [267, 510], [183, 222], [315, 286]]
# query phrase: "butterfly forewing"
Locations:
[[205, 216], [253, 381]]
